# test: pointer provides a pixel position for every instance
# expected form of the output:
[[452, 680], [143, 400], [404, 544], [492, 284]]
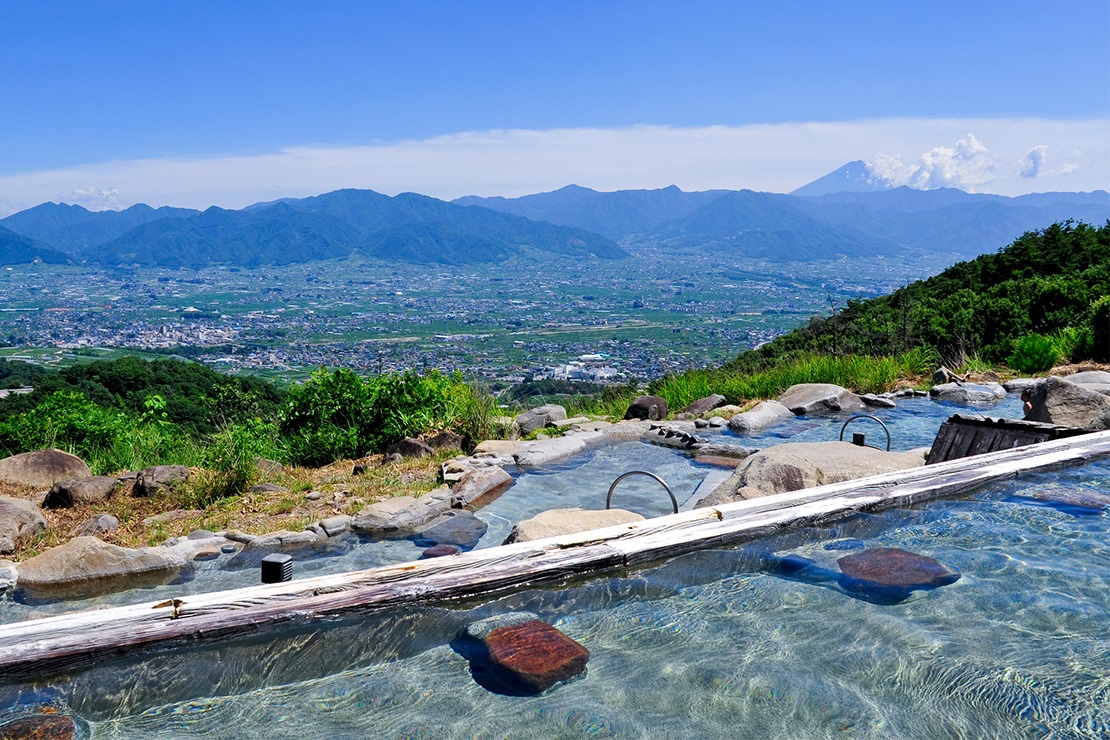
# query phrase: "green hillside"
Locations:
[[1048, 282]]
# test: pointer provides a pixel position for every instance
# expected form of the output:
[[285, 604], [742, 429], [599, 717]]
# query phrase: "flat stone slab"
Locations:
[[402, 514], [87, 565], [887, 575], [968, 392], [459, 528], [554, 522]]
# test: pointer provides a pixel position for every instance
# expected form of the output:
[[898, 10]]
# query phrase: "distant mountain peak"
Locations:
[[854, 177]]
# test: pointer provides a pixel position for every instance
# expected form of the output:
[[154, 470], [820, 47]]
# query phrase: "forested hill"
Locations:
[[1054, 283]]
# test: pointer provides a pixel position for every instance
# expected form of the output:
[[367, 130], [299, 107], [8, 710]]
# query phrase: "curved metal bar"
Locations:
[[873, 418], [622, 476]]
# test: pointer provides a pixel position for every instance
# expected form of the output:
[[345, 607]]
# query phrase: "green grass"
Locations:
[[857, 373]]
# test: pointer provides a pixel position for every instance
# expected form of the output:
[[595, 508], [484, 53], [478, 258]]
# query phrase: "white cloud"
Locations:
[[888, 170], [95, 199], [966, 166], [1034, 162], [772, 157]]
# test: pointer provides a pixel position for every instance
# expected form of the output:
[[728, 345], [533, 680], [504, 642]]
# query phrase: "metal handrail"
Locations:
[[622, 476], [873, 418]]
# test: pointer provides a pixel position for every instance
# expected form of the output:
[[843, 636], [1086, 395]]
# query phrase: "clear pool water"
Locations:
[[582, 481], [711, 644]]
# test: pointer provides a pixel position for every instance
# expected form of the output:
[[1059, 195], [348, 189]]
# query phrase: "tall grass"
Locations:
[[858, 373]]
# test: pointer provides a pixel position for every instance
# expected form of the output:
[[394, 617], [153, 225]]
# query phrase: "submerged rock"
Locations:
[[1074, 501], [46, 726], [440, 551], [555, 522], [42, 468], [459, 528], [887, 575], [87, 565], [518, 654]]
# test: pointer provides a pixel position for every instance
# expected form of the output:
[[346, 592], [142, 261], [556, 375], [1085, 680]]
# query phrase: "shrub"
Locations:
[[1033, 353], [338, 415], [1098, 326]]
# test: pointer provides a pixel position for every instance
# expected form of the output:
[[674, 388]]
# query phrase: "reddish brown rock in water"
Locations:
[[887, 575], [439, 551], [535, 655], [41, 727]]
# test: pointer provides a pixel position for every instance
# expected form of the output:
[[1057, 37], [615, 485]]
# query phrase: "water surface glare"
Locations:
[[710, 644]]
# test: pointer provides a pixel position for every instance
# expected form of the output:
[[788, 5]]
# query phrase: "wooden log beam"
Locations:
[[69, 641]]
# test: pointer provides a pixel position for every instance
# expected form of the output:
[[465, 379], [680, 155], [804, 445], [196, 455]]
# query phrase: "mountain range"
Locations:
[[848, 213], [407, 227]]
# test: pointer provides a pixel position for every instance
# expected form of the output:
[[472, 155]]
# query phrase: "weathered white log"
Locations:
[[44, 646]]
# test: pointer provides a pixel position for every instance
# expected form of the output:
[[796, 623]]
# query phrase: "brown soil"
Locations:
[[340, 491]]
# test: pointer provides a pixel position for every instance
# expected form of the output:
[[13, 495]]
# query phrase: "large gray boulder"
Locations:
[[647, 408], [76, 491], [761, 416], [19, 520], [809, 398], [158, 478], [42, 468], [794, 466], [968, 392], [1058, 401], [86, 565], [540, 417], [556, 522]]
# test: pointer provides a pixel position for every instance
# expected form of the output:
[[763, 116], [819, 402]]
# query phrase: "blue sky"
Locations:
[[248, 99]]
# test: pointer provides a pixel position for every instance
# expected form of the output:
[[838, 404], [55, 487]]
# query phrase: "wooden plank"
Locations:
[[40, 647]]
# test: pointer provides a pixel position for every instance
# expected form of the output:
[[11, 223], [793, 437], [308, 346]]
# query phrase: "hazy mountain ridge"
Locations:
[[616, 214], [74, 229], [408, 227], [869, 219], [16, 249], [767, 226]]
